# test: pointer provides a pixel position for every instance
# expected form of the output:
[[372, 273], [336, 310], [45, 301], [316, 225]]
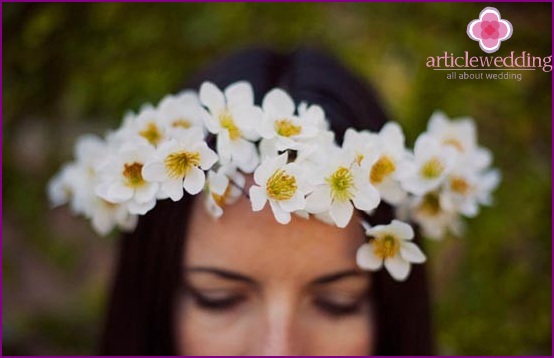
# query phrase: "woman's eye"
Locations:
[[217, 304], [336, 309]]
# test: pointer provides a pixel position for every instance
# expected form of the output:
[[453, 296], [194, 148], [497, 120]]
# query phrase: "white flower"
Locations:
[[234, 118], [281, 124], [179, 163], [224, 187], [434, 220], [465, 188], [181, 112], [341, 184], [320, 121], [105, 216], [386, 156], [121, 180], [76, 184], [362, 145], [146, 126], [392, 246], [458, 193], [281, 184], [317, 151], [460, 134], [431, 164]]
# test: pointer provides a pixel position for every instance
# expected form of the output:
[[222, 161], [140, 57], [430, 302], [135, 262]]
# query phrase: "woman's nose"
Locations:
[[279, 333]]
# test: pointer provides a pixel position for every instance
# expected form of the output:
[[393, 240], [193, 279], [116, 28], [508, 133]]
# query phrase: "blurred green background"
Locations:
[[75, 68]]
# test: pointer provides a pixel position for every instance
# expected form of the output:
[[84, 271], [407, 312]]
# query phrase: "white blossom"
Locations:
[[392, 247], [234, 118], [281, 184], [181, 112], [460, 134], [339, 187], [431, 164], [122, 182], [281, 124], [179, 164], [76, 184], [225, 186]]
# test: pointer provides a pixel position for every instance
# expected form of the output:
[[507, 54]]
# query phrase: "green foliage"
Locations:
[[74, 68]]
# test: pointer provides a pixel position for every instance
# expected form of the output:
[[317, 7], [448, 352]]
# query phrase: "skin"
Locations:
[[256, 287]]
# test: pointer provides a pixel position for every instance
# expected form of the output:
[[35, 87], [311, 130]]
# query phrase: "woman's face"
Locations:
[[256, 287]]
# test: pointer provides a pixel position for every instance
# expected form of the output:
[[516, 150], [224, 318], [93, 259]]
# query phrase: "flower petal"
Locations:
[[411, 253], [297, 202], [212, 97], [207, 156], [341, 212], [367, 198], [173, 188], [391, 191], [282, 216], [278, 102], [194, 180], [319, 200], [402, 230], [102, 222], [258, 197], [223, 146], [154, 171], [146, 193], [211, 206], [239, 94], [118, 193], [249, 120], [140, 208], [397, 267], [366, 258], [218, 182], [242, 151]]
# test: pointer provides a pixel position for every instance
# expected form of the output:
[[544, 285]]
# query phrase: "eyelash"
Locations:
[[338, 310], [227, 304], [222, 304]]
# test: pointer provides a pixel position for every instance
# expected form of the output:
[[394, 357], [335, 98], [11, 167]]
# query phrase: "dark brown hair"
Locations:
[[149, 269]]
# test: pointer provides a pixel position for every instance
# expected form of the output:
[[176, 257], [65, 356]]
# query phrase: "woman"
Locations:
[[246, 285]]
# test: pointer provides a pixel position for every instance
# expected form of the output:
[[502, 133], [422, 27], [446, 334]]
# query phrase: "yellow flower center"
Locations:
[[151, 133], [281, 186], [285, 128], [381, 169], [226, 121], [455, 143], [386, 246], [179, 163], [342, 184], [432, 169], [221, 200], [133, 174], [430, 205], [459, 185], [181, 123]]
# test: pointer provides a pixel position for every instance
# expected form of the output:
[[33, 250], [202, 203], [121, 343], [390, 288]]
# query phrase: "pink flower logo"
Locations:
[[489, 30]]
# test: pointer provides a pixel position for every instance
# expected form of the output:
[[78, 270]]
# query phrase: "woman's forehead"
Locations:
[[253, 242]]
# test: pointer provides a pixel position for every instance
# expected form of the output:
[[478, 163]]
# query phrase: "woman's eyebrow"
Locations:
[[226, 274], [337, 276]]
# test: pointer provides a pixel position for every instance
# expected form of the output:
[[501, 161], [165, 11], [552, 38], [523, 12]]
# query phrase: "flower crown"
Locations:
[[162, 151]]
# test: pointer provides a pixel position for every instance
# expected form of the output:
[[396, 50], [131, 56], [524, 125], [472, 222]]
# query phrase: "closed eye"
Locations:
[[335, 309], [217, 304]]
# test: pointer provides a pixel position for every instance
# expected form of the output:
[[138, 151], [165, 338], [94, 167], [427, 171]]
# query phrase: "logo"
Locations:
[[490, 30]]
